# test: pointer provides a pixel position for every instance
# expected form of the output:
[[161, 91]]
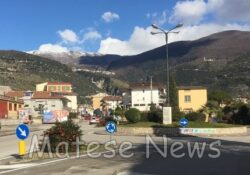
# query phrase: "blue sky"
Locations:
[[111, 26]]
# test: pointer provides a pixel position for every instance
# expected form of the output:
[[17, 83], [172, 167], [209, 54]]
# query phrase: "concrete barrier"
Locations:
[[181, 131], [6, 122]]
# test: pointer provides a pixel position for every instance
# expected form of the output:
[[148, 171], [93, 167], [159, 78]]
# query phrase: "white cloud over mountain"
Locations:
[[91, 35], [54, 48], [110, 16], [68, 36]]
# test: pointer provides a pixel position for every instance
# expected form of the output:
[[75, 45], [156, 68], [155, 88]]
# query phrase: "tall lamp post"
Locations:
[[167, 109]]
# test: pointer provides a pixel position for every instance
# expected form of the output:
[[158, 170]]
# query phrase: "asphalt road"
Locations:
[[234, 158]]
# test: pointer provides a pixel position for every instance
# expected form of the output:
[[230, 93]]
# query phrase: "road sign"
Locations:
[[22, 132], [111, 127], [183, 122]]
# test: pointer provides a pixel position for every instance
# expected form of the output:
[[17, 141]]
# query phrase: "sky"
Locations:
[[113, 26]]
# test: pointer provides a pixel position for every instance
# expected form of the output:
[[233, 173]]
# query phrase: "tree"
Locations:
[[220, 97], [133, 115], [173, 91], [211, 109]]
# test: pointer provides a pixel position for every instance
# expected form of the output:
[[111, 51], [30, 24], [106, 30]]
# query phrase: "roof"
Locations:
[[145, 85], [45, 95], [58, 83], [64, 93], [112, 98], [11, 99], [15, 94], [190, 87]]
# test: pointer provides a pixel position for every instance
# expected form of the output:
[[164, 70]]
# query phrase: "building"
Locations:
[[112, 102], [4, 90], [9, 107], [35, 103], [97, 100], [191, 98], [63, 89], [54, 87], [144, 94]]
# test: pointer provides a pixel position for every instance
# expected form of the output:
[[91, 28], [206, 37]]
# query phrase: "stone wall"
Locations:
[[181, 131]]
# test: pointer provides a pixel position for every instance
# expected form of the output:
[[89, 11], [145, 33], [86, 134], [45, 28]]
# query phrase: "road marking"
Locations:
[[49, 162], [8, 157], [4, 167]]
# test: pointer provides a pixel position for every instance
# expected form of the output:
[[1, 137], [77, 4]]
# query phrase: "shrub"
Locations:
[[72, 115], [195, 116], [133, 115], [67, 132], [242, 116], [155, 116], [177, 115], [144, 116]]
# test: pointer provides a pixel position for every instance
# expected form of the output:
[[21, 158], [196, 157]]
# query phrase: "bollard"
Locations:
[[22, 148]]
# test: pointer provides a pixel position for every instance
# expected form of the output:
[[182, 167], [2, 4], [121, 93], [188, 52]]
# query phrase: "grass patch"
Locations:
[[176, 125]]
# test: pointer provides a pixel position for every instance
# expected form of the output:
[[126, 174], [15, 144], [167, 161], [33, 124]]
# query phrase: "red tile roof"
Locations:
[[112, 98], [11, 99], [58, 83], [15, 94], [45, 95]]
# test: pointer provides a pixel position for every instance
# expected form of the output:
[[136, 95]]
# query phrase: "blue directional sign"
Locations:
[[22, 132], [183, 122], [111, 127]]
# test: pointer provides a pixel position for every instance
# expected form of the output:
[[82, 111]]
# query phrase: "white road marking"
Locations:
[[4, 167], [45, 163]]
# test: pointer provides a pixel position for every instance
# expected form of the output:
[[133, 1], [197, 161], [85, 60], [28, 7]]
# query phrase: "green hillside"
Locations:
[[22, 71]]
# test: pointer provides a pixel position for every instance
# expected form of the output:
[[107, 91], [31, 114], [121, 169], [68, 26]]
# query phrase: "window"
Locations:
[[136, 104], [187, 98], [59, 88], [143, 98], [15, 107], [51, 88], [10, 106], [20, 106], [66, 88], [142, 104]]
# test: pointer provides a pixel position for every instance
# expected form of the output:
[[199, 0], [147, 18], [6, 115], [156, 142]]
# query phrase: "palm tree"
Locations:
[[210, 109]]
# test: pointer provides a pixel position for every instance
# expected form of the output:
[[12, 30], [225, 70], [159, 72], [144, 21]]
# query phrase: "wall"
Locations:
[[73, 102], [142, 100], [13, 114], [41, 87], [3, 109], [198, 99]]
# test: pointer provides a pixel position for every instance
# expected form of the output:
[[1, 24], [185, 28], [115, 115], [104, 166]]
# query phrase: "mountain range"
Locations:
[[218, 61]]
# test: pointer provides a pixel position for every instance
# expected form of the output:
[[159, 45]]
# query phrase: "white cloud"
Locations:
[[52, 48], [110, 17], [194, 11], [91, 35], [141, 40], [158, 18], [189, 12], [68, 36]]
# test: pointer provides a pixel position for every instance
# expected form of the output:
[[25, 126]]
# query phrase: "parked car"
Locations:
[[94, 120]]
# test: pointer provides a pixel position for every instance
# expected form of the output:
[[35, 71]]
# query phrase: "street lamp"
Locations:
[[167, 110], [162, 31]]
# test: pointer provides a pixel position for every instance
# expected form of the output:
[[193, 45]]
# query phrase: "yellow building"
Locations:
[[191, 98], [54, 87], [96, 100]]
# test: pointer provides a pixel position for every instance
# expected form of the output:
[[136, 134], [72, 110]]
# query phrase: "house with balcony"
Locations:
[[145, 94], [60, 88], [54, 87], [191, 98]]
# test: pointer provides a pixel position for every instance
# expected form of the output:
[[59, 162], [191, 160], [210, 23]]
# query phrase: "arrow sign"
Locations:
[[111, 127], [22, 132], [183, 122]]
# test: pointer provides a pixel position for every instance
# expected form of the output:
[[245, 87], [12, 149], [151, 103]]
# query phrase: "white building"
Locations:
[[112, 102], [143, 94]]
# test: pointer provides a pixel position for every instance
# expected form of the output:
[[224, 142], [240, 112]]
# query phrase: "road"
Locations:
[[234, 158]]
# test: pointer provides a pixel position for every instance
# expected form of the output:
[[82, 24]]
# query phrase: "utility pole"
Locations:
[[151, 88]]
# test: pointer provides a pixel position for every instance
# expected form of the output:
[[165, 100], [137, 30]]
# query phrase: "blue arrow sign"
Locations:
[[22, 132], [183, 122], [111, 127]]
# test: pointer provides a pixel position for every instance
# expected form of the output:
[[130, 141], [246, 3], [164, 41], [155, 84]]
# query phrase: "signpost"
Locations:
[[183, 122], [22, 133], [111, 128]]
